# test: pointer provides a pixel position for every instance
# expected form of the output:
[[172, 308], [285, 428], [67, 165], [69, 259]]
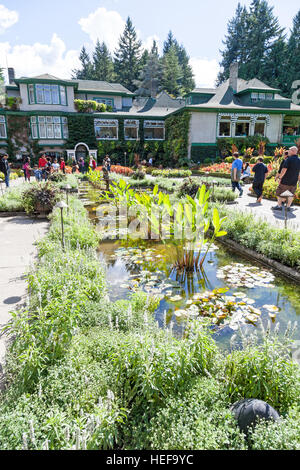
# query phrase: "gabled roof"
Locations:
[[45, 78], [225, 97], [203, 91], [99, 86], [252, 85]]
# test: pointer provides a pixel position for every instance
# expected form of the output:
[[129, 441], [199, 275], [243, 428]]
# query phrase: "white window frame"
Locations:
[[131, 124], [3, 126], [106, 101], [106, 123], [244, 120], [49, 127], [228, 120], [155, 125], [261, 121]]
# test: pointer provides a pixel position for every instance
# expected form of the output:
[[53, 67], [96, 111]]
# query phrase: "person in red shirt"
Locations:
[[63, 166], [42, 161], [93, 164], [42, 165]]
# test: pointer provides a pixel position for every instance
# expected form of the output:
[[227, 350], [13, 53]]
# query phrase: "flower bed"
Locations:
[[270, 188], [120, 170], [224, 169]]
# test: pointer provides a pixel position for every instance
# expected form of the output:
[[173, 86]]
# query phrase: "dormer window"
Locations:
[[261, 97], [47, 94]]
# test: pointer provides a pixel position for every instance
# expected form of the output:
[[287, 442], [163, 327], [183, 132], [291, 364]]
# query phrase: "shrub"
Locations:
[[248, 373], [198, 418], [282, 435], [85, 106], [40, 196]]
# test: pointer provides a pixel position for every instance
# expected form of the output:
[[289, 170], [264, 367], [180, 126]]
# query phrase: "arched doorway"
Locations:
[[81, 151]]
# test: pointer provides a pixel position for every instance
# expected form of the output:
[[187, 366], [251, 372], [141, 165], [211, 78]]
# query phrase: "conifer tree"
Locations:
[[253, 37], [171, 41], [102, 63], [172, 72], [151, 75], [235, 42], [128, 57], [293, 55], [187, 82], [86, 72]]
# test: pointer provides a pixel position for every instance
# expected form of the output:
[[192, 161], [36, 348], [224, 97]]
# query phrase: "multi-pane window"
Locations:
[[107, 101], [261, 96], [225, 126], [131, 129], [49, 127], [154, 130], [260, 126], [242, 128], [3, 133], [106, 129], [47, 94]]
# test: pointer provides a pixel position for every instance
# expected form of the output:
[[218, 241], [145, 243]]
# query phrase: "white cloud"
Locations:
[[104, 25], [205, 71], [30, 60], [7, 18]]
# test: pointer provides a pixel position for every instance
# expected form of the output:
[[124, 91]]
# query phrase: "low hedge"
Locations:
[[172, 173]]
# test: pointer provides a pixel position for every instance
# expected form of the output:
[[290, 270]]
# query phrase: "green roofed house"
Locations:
[[43, 111]]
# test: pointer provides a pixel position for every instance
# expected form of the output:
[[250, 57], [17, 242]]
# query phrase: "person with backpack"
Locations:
[[260, 171], [288, 179]]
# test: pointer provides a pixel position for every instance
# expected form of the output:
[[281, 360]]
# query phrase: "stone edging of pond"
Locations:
[[4, 215], [286, 271]]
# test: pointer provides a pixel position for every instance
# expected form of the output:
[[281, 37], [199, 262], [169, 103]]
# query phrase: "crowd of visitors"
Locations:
[[288, 177]]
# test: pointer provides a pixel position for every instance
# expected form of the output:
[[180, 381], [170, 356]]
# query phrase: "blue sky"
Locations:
[[46, 36]]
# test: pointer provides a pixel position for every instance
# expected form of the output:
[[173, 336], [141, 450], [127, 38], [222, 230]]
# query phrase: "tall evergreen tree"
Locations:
[[293, 54], [187, 76], [235, 42], [86, 72], [263, 32], [253, 37], [128, 56], [149, 83], [171, 41], [172, 72], [275, 67], [187, 82], [102, 63]]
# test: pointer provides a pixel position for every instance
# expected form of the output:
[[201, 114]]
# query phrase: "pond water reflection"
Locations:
[[254, 292], [149, 268]]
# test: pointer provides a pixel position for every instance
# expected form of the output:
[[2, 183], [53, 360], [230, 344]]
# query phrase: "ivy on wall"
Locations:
[[81, 129], [19, 137], [204, 154], [177, 138], [171, 152]]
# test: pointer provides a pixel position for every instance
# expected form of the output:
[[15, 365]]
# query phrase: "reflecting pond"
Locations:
[[254, 294]]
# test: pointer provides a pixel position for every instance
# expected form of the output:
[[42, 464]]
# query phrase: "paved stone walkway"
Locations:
[[264, 211], [17, 253]]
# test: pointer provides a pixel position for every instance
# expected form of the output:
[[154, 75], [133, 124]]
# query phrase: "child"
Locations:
[[37, 173]]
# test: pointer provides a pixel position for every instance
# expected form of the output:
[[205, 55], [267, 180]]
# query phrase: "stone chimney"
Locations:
[[234, 75], [11, 75]]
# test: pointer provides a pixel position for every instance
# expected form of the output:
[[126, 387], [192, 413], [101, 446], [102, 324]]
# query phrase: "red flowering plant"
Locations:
[[120, 170]]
